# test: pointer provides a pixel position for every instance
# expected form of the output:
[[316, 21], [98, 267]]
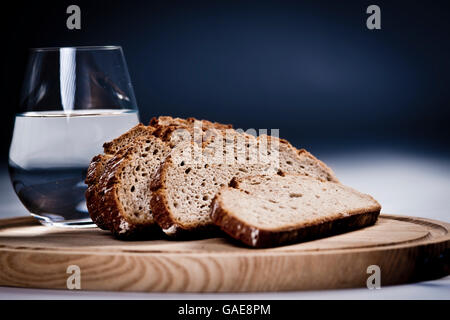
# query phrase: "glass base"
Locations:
[[79, 223]]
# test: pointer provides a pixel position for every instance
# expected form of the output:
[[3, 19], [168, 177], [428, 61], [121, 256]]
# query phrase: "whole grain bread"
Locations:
[[266, 211], [185, 185], [103, 196]]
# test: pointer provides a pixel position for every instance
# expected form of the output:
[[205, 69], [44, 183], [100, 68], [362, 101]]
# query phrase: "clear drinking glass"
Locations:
[[73, 100]]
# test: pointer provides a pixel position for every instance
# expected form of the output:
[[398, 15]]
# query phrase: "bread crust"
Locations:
[[108, 207], [264, 238], [95, 170], [169, 121]]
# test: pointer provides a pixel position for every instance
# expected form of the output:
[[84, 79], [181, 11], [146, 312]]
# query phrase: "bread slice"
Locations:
[[184, 187], [123, 199], [105, 203], [266, 211], [98, 165]]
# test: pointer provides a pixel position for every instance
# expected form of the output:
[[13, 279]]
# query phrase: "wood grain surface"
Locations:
[[406, 249]]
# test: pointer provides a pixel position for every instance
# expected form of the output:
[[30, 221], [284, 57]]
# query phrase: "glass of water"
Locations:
[[73, 100]]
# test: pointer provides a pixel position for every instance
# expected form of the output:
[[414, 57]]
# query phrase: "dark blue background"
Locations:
[[310, 68]]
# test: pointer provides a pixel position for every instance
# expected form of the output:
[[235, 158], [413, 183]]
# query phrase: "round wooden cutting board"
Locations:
[[406, 249]]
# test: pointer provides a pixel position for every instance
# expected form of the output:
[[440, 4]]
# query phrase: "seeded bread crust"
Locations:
[[264, 238]]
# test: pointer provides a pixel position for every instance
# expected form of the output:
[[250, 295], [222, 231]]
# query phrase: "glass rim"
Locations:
[[77, 48]]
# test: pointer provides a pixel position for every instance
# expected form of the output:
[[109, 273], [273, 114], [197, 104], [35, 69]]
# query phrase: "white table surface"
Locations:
[[404, 183]]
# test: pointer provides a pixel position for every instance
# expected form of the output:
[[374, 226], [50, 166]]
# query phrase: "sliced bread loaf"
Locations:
[[266, 211], [185, 186], [127, 213]]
